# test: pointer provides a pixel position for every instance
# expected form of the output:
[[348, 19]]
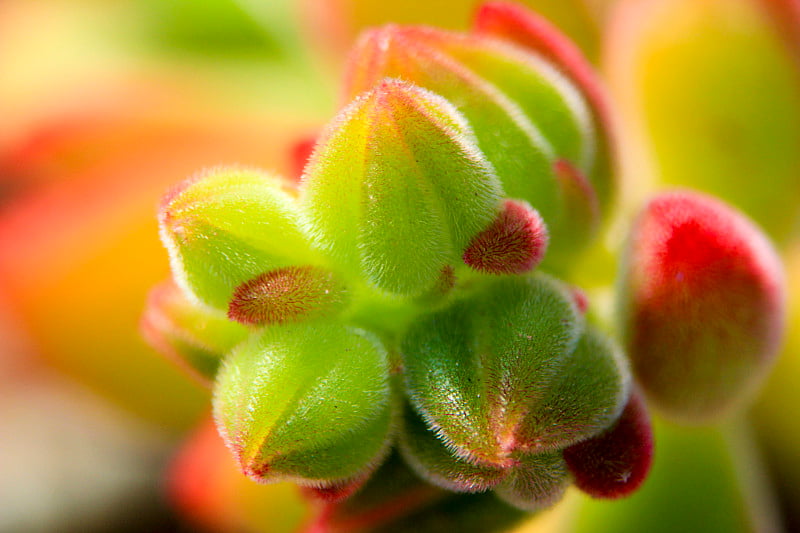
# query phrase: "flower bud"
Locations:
[[702, 305], [227, 226], [513, 244], [508, 369], [539, 481], [287, 294], [309, 402], [516, 24], [396, 188], [434, 462], [193, 335], [615, 463], [524, 114]]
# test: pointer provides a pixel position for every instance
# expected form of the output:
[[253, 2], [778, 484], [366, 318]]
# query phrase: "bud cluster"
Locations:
[[388, 301]]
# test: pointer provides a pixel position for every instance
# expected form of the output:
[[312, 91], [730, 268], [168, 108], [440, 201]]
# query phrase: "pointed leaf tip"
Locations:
[[287, 294], [615, 463], [513, 244]]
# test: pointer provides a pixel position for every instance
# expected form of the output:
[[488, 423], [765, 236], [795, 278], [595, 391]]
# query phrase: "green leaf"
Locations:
[[309, 402], [537, 483], [586, 398], [227, 226], [479, 368], [397, 188], [521, 155], [191, 334], [434, 462]]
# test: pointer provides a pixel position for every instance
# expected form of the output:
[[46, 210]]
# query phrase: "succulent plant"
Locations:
[[389, 300]]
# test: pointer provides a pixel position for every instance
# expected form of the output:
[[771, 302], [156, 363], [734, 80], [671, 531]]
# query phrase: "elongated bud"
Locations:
[[702, 305], [615, 463], [308, 402], [521, 26], [505, 371], [538, 482], [195, 336], [513, 244], [287, 294], [397, 188], [226, 227]]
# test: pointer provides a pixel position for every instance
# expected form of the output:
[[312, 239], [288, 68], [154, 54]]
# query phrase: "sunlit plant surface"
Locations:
[[399, 331]]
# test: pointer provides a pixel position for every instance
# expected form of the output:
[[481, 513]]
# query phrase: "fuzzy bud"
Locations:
[[702, 305], [615, 463], [307, 402], [509, 370], [227, 226], [397, 188]]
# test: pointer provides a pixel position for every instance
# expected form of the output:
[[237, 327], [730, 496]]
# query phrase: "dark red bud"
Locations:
[[615, 463], [514, 243]]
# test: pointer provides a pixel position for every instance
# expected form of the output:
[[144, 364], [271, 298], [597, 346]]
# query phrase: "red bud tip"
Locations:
[[513, 244], [615, 463], [285, 295], [256, 471]]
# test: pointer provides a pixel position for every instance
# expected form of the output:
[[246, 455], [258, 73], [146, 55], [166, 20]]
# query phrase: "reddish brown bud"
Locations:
[[615, 463], [514, 243], [286, 295]]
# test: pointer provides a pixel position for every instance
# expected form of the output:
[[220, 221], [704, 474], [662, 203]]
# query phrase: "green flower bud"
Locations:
[[308, 402], [226, 227], [508, 369], [525, 115], [434, 462], [538, 482], [195, 336], [397, 188]]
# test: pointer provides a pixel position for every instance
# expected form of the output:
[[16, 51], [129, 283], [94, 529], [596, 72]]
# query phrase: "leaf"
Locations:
[[227, 226], [396, 188], [193, 335], [309, 402], [476, 369]]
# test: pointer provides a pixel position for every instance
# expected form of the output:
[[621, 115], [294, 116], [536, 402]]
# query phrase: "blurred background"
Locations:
[[106, 103]]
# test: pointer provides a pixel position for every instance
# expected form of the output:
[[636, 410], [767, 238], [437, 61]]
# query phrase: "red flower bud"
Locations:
[[702, 305]]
